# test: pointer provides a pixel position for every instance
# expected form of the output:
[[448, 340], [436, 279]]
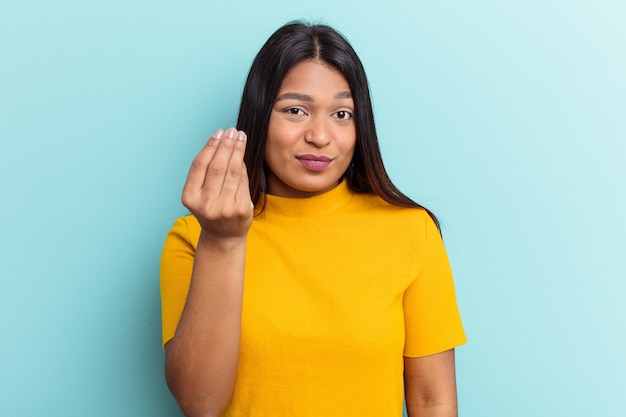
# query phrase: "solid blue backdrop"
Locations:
[[506, 119]]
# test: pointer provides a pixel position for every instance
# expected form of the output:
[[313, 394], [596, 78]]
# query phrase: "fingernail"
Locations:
[[242, 136], [218, 134], [231, 133]]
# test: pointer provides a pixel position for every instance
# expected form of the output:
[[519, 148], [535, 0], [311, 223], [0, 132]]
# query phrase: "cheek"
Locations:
[[350, 147], [271, 140], [273, 149], [275, 156], [269, 155], [278, 136]]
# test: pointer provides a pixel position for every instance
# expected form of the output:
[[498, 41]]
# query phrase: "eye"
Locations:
[[343, 115], [294, 111]]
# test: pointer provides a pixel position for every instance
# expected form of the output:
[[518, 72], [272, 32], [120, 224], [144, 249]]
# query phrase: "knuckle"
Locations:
[[216, 169], [234, 172], [185, 199], [240, 146], [198, 161], [188, 197], [211, 215], [244, 209], [224, 214], [228, 142]]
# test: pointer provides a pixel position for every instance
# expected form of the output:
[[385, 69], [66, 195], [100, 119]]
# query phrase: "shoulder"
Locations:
[[186, 228], [404, 222], [374, 205]]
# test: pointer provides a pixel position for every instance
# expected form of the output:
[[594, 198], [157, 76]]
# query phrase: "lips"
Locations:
[[314, 162]]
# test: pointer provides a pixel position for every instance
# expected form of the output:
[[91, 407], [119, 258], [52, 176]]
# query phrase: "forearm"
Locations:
[[441, 410], [202, 357], [430, 385]]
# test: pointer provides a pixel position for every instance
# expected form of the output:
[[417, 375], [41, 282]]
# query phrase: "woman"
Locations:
[[304, 283]]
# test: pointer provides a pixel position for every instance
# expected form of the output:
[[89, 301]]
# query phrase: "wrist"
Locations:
[[209, 241]]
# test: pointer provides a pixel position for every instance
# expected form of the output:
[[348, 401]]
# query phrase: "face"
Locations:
[[311, 135]]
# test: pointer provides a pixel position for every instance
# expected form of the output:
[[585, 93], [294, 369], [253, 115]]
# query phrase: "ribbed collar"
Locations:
[[318, 205]]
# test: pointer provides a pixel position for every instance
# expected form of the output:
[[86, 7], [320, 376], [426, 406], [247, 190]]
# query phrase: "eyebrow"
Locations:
[[308, 98]]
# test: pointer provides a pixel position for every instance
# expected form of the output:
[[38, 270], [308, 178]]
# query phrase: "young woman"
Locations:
[[304, 283]]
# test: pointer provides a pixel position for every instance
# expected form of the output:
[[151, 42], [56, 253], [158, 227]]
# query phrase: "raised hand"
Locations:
[[216, 191], [202, 357]]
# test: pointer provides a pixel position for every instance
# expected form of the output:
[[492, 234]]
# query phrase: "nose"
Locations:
[[317, 133]]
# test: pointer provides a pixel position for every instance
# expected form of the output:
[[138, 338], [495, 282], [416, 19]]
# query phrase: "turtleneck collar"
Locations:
[[318, 205]]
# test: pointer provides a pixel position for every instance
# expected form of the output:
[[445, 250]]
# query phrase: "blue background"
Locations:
[[508, 119]]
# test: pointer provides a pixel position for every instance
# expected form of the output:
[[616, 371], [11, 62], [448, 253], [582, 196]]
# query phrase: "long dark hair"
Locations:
[[288, 46]]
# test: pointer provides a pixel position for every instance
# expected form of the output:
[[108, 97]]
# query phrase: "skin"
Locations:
[[430, 385], [201, 359], [312, 115]]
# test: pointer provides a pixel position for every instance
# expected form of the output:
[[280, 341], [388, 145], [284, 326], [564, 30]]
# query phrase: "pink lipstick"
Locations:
[[314, 162]]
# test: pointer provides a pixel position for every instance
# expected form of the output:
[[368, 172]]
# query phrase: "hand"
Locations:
[[216, 191]]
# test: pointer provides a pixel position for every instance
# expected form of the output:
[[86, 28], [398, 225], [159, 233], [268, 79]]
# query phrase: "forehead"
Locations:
[[312, 76]]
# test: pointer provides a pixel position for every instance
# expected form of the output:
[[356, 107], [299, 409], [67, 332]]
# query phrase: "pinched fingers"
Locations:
[[217, 190]]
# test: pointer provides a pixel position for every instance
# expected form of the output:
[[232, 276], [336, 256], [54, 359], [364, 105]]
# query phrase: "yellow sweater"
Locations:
[[338, 288]]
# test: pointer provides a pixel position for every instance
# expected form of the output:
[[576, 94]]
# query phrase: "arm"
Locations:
[[201, 359], [430, 385]]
